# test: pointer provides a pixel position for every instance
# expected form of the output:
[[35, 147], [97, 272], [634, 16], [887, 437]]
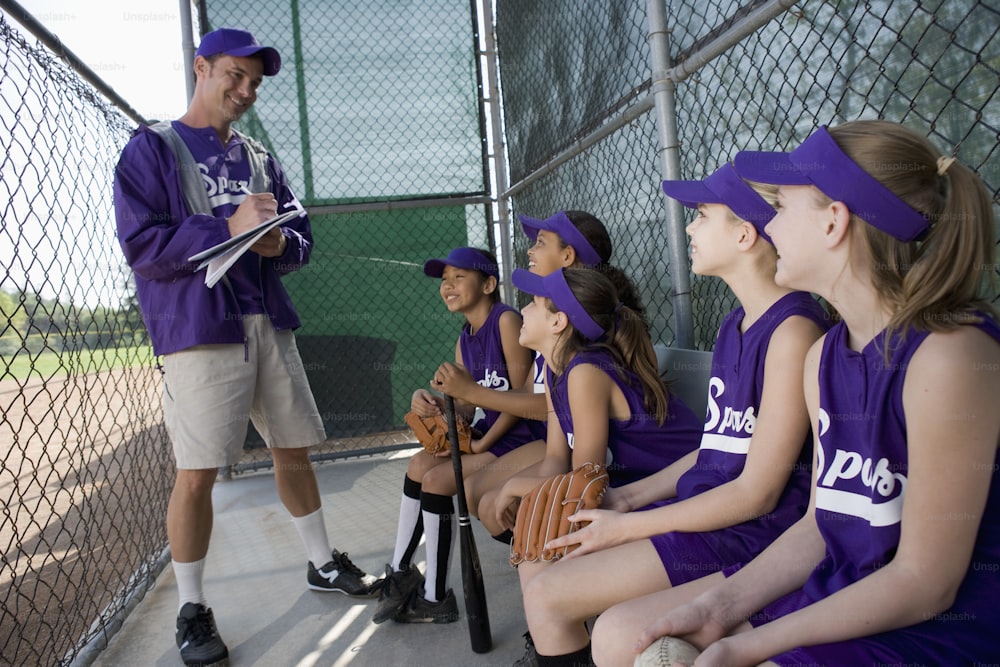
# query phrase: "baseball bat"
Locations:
[[472, 572]]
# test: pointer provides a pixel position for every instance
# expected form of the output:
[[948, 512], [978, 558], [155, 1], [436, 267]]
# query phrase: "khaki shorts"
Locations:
[[211, 391]]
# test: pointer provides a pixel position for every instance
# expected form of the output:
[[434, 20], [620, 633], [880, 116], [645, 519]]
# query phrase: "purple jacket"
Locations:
[[158, 233]]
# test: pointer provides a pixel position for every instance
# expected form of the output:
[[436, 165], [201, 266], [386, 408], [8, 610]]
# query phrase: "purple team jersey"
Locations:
[[638, 446], [158, 232], [483, 357], [226, 174], [861, 483], [734, 395]]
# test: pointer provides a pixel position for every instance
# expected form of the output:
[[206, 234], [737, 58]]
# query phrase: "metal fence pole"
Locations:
[[187, 47], [491, 96], [300, 90], [662, 91], [664, 79]]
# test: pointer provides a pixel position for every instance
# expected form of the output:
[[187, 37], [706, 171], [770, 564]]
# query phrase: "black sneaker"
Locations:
[[343, 576], [395, 591], [419, 610], [530, 657], [198, 639]]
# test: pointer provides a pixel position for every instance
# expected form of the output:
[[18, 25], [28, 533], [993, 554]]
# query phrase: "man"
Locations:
[[229, 354]]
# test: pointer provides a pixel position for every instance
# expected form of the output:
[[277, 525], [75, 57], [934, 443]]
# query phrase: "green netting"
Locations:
[[377, 104]]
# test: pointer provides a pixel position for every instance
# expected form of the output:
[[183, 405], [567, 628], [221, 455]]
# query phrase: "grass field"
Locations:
[[53, 364]]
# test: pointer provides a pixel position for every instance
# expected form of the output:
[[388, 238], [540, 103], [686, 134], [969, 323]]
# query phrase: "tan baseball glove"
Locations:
[[542, 513], [432, 433]]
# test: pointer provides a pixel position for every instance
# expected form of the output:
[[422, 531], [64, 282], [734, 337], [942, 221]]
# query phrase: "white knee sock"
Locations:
[[439, 527], [189, 578], [407, 532], [432, 535], [312, 530]]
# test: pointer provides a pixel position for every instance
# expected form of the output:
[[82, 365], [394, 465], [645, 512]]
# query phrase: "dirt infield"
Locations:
[[84, 474]]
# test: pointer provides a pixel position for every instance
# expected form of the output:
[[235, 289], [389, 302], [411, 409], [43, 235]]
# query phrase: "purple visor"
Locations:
[[463, 258], [561, 224], [555, 287], [820, 161], [724, 187]]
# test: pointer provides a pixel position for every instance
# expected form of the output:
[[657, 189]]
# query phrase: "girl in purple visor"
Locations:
[[487, 346], [896, 561], [748, 481], [565, 239], [608, 403]]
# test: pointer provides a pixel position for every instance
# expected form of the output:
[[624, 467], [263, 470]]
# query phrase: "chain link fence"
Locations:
[[382, 118], [84, 463], [573, 72]]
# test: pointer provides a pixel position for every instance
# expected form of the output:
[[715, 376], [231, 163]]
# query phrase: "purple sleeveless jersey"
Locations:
[[482, 355], [639, 446], [734, 395], [861, 482]]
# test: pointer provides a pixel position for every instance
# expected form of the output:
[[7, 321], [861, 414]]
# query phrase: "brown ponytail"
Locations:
[[597, 236], [933, 284], [627, 339]]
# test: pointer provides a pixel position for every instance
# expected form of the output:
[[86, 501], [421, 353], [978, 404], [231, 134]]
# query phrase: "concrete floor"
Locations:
[[255, 583]]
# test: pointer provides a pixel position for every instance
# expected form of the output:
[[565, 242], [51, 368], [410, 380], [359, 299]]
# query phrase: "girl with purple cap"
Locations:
[[748, 481], [896, 560], [608, 402], [489, 349], [566, 239]]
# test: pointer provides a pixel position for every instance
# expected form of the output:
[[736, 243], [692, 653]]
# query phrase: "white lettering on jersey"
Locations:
[[493, 380], [875, 475], [730, 444], [222, 190], [539, 366], [740, 421], [609, 457], [855, 504]]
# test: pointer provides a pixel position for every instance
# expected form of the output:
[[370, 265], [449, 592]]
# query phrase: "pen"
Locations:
[[245, 189]]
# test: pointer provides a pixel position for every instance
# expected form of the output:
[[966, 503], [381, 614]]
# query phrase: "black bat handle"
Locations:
[[472, 572], [456, 456]]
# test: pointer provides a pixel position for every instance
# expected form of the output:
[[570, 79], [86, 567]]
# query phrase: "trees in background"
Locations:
[[34, 324]]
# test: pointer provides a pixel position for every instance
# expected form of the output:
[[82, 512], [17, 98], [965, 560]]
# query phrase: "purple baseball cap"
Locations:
[[724, 187], [239, 43], [463, 258], [561, 224], [821, 162], [555, 287]]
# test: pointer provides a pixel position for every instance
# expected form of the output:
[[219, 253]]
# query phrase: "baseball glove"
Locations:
[[432, 433], [542, 513]]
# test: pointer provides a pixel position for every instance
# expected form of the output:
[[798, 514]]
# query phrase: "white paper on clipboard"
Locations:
[[217, 259]]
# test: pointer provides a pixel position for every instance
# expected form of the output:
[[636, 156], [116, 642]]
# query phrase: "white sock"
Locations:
[[431, 536], [189, 578], [409, 514], [438, 554], [312, 530]]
